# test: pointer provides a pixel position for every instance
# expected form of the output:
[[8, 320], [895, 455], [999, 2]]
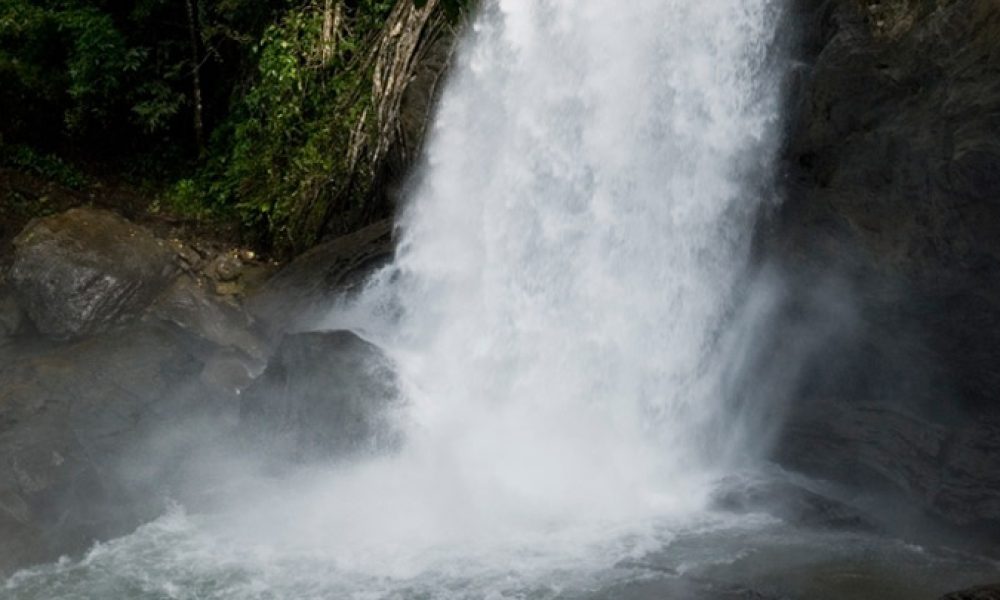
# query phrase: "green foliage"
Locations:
[[287, 145], [186, 199], [45, 165], [120, 74], [282, 96], [96, 66]]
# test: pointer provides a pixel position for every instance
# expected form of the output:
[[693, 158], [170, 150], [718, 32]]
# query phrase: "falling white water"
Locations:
[[570, 256]]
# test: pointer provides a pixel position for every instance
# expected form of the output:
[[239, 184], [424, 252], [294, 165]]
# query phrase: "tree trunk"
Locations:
[[199, 128], [333, 16]]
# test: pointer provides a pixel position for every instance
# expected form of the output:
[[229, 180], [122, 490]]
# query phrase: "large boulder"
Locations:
[[300, 294], [323, 395], [86, 270], [74, 422]]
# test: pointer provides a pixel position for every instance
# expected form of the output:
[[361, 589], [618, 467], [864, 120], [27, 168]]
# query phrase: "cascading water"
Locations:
[[562, 314], [571, 253]]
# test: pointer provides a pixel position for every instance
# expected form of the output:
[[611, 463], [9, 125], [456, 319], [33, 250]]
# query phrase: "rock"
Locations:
[[301, 292], [229, 372], [188, 254], [74, 424], [787, 501], [326, 394], [986, 592], [227, 267], [85, 270], [892, 187], [12, 317], [189, 305]]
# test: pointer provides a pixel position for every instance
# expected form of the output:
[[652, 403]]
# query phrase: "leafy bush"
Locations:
[[45, 165]]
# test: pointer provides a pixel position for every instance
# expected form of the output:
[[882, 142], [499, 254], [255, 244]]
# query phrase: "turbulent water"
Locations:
[[570, 257], [567, 313]]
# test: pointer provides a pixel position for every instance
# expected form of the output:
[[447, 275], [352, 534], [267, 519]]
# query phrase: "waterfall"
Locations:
[[572, 250]]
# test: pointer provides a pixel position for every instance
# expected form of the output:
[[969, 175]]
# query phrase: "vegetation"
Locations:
[[238, 109]]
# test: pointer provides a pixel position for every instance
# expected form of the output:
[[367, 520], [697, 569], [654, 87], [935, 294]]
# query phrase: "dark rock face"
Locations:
[[893, 187], [71, 419], [787, 501], [85, 270], [189, 304], [12, 317], [323, 395], [298, 294], [987, 592]]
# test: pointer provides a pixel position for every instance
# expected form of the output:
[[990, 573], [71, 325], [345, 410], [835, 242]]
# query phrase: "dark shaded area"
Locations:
[[988, 592], [892, 192]]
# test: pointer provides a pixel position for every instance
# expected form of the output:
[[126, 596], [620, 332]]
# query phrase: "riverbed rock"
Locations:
[[985, 592], [302, 292], [86, 270], [74, 421], [323, 395], [190, 304], [787, 501]]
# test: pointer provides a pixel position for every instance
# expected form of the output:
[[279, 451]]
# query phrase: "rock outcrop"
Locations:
[[787, 501], [86, 270], [72, 417], [116, 368], [298, 294], [323, 395], [893, 189]]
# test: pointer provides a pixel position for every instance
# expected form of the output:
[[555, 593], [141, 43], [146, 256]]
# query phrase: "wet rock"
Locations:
[[325, 394], [892, 163], [191, 258], [954, 473], [986, 592], [190, 305], [229, 372], [685, 587], [12, 316], [227, 267], [300, 293], [86, 270], [787, 501], [71, 417]]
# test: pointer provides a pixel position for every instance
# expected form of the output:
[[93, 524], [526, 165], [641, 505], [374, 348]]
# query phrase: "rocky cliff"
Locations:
[[892, 207]]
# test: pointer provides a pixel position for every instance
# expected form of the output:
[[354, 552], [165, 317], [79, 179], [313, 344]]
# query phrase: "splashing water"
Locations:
[[571, 255]]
